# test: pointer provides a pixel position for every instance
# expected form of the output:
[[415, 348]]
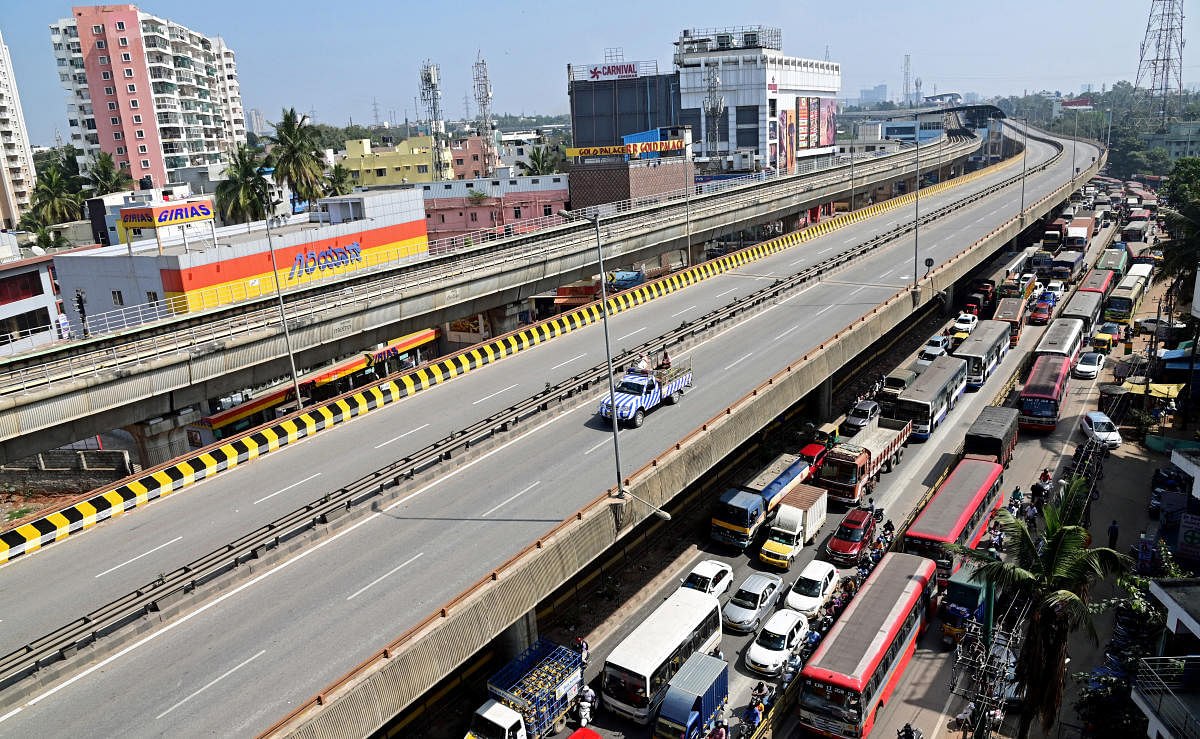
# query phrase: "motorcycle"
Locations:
[[584, 709], [909, 732]]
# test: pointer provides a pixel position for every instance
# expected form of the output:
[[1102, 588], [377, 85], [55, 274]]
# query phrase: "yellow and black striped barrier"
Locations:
[[133, 493]]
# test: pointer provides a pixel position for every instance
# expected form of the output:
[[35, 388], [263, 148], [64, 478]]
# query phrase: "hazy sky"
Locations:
[[335, 57]]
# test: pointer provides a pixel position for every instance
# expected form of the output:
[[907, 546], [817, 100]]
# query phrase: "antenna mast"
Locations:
[[1158, 88], [431, 96], [483, 110], [908, 79]]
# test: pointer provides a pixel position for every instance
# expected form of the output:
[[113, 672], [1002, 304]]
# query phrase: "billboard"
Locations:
[[828, 122], [611, 71], [814, 123], [173, 214], [801, 123], [640, 147], [787, 141]]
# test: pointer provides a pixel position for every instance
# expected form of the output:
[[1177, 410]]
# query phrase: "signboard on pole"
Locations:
[[1189, 536]]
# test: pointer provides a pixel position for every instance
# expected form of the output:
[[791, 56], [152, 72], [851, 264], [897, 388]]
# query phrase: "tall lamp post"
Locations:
[[268, 209], [916, 196], [612, 390], [1074, 144], [1024, 154]]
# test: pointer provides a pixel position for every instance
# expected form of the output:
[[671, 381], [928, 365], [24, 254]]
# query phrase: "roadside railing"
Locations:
[[1160, 681]]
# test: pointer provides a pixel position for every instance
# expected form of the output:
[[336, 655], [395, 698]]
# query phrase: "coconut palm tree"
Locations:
[[104, 177], [294, 151], [338, 182], [541, 161], [243, 194], [1182, 252], [48, 239], [30, 221], [1056, 582], [53, 200]]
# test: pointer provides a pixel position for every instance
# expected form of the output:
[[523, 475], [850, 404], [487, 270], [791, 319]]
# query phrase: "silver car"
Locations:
[[748, 607]]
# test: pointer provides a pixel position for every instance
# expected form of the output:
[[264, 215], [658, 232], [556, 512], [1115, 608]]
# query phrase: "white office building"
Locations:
[[16, 163]]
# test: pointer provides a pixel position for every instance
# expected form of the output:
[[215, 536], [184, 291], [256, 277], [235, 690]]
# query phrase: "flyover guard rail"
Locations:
[[261, 315], [106, 629]]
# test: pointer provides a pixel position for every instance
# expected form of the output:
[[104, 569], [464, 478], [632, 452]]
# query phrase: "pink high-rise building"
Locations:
[[156, 95]]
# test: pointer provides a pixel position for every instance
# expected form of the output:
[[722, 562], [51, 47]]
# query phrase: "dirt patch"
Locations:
[[24, 503]]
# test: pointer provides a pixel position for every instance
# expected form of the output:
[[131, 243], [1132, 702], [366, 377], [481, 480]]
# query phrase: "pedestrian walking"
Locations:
[[1113, 531]]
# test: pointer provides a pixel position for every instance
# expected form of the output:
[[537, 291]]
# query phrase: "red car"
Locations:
[[813, 454], [1041, 313], [854, 534]]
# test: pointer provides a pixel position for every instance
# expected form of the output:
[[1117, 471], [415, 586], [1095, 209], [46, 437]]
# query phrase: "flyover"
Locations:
[[295, 626], [61, 394]]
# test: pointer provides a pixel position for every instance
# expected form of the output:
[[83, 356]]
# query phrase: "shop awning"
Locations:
[[1155, 389]]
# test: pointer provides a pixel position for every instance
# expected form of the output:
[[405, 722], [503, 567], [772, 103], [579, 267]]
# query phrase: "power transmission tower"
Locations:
[[714, 111], [1159, 83], [431, 96], [907, 79], [483, 108], [375, 110]]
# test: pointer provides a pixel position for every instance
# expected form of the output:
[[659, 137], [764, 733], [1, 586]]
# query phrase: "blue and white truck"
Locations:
[[696, 697], [740, 512], [641, 390], [530, 696]]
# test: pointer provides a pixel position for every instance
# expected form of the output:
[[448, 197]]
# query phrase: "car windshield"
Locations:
[[807, 587], [1104, 427], [770, 640], [783, 537], [860, 413], [1109, 328], [895, 383], [484, 729], [697, 582], [745, 599], [633, 388], [1090, 359], [832, 701], [929, 355], [848, 533], [625, 687]]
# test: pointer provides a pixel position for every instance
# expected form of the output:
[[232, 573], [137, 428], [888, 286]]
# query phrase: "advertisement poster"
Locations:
[[814, 123], [773, 155], [787, 142], [828, 125], [801, 123]]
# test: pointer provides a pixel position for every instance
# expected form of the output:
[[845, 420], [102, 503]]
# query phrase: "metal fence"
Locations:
[[1161, 681]]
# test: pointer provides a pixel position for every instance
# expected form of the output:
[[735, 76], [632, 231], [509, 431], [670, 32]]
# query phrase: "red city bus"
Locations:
[[958, 513], [1012, 312], [1099, 281], [861, 659], [1045, 391], [1141, 214]]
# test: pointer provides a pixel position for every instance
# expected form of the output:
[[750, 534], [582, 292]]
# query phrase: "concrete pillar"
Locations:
[[791, 222], [948, 307], [695, 253], [823, 400], [161, 439], [518, 637], [500, 322]]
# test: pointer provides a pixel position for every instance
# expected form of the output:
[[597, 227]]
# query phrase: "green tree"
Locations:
[[297, 163], [54, 201], [63, 157], [1056, 583], [1158, 162], [104, 177], [30, 221], [338, 182], [48, 239], [253, 142], [1182, 252], [542, 160], [1185, 180], [242, 195]]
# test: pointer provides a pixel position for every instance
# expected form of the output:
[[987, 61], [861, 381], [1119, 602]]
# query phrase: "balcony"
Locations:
[[1167, 689]]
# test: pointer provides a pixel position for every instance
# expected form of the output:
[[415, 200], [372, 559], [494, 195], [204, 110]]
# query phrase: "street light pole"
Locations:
[[1074, 143], [287, 334], [1024, 154], [916, 196], [853, 138], [1108, 138], [612, 389]]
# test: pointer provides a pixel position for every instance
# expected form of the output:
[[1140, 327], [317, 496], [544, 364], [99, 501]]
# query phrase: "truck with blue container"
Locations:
[[696, 697], [740, 512], [530, 696], [640, 391]]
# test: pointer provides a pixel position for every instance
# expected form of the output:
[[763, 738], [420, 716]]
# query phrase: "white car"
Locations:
[[816, 583], [928, 354], [1099, 427], [938, 342], [1059, 288], [710, 576], [965, 323], [1089, 365], [779, 639]]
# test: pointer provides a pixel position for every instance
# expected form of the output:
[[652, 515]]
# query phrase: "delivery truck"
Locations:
[[741, 512], [696, 697], [851, 470], [799, 517], [530, 696], [993, 435], [1079, 233]]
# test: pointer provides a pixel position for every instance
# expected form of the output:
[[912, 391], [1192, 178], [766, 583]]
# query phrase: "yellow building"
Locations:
[[410, 160]]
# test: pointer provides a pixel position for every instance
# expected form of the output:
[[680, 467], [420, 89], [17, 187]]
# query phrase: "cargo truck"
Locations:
[[696, 697], [1079, 233], [1067, 266], [799, 517], [530, 696], [1054, 235], [640, 391], [741, 512], [993, 435], [851, 470]]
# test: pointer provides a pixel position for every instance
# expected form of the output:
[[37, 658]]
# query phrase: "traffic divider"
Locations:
[[137, 491]]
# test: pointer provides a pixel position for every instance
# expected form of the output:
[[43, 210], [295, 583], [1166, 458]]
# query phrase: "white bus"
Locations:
[[983, 350], [1140, 270], [1063, 338], [636, 673], [927, 401]]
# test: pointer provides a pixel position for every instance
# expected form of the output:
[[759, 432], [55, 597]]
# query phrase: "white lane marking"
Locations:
[[826, 308], [685, 310], [740, 359], [289, 487], [505, 502], [386, 575], [489, 397], [785, 333], [144, 554], [798, 261], [401, 436], [214, 682], [572, 359], [885, 274], [856, 292], [825, 250], [732, 289], [626, 336]]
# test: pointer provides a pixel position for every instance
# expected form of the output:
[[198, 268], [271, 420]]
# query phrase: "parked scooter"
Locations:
[[584, 705]]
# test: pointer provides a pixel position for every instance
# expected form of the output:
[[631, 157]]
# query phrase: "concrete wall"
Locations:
[[68, 470]]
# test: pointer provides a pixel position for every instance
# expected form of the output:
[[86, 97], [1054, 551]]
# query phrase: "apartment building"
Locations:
[[16, 157], [156, 95]]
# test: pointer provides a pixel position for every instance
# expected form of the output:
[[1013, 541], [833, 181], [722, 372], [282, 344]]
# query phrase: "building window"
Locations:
[[423, 168], [117, 136], [441, 217], [19, 287], [125, 57], [128, 72], [517, 212], [145, 164], [447, 187], [557, 179], [104, 60], [399, 169], [474, 216], [112, 106], [120, 150], [137, 119], [99, 44], [97, 30], [141, 148], [141, 134], [474, 157], [117, 298], [106, 75], [109, 91], [123, 164], [151, 297], [131, 88], [547, 210], [535, 181], [114, 120], [459, 162], [124, 41], [133, 103], [520, 151], [120, 25], [381, 172]]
